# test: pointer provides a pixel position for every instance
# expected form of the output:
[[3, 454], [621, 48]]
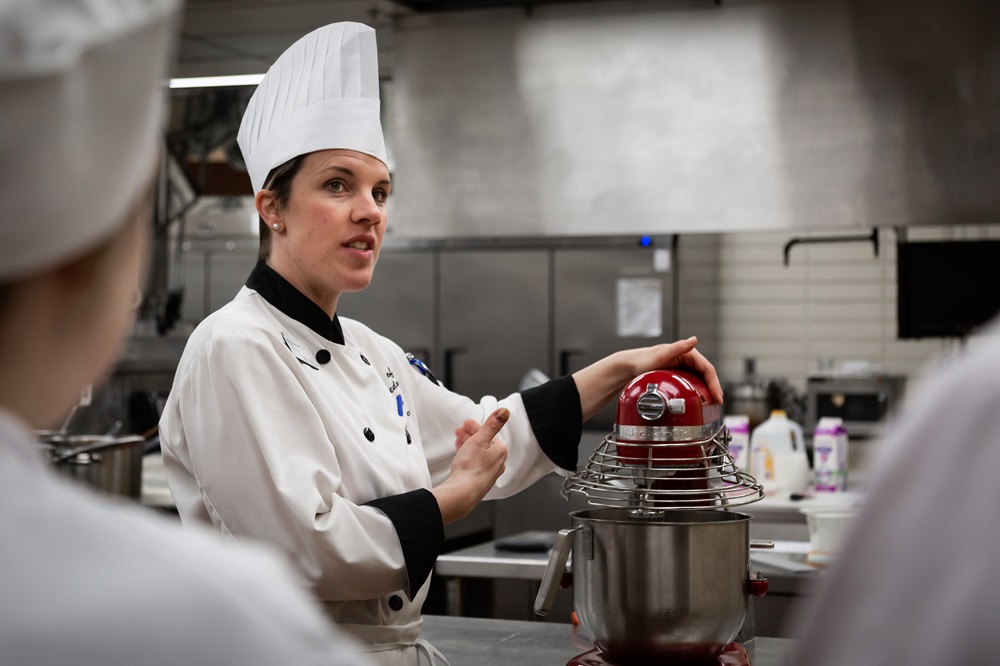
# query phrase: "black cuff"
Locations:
[[556, 419], [420, 529]]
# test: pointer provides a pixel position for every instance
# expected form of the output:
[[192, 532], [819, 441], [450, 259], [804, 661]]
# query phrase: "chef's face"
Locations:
[[331, 229]]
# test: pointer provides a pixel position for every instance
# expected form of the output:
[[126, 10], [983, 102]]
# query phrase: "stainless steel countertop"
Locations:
[[468, 641]]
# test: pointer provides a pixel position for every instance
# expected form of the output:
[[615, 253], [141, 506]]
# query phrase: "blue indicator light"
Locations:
[[645, 241]]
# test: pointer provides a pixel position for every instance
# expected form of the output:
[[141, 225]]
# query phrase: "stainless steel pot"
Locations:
[[753, 396], [110, 464], [656, 587]]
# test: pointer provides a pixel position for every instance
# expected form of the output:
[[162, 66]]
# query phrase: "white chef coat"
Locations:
[[916, 583], [320, 436], [92, 582]]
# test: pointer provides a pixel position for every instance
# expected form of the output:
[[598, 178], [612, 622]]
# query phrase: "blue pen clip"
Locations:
[[420, 367]]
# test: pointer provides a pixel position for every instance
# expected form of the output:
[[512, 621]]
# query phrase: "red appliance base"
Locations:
[[733, 655]]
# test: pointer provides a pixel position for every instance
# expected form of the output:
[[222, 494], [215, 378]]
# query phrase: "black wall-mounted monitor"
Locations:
[[946, 288]]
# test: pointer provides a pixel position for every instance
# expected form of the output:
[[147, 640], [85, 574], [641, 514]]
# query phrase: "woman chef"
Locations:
[[86, 581], [290, 424]]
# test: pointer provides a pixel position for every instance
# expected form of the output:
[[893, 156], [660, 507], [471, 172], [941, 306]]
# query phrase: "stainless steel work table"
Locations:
[[466, 641], [485, 561]]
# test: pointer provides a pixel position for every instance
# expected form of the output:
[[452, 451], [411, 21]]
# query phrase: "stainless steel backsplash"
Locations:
[[594, 118]]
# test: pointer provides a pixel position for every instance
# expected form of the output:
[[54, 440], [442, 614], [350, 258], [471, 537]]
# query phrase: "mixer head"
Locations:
[[669, 450]]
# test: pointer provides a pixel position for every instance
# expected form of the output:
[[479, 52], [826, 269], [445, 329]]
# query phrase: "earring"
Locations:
[[275, 226]]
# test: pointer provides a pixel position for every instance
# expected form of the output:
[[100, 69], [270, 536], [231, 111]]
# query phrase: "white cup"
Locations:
[[828, 528]]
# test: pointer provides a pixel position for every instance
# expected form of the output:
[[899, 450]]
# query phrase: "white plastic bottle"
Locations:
[[778, 455]]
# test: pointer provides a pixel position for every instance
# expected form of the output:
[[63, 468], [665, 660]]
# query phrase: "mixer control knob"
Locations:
[[651, 404]]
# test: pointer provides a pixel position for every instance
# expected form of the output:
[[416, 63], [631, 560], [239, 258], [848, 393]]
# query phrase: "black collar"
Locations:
[[277, 291]]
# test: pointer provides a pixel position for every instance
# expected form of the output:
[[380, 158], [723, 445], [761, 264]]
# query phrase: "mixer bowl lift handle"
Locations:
[[554, 570]]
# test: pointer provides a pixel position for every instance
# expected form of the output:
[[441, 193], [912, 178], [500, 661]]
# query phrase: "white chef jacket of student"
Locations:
[[320, 437], [917, 581], [91, 582]]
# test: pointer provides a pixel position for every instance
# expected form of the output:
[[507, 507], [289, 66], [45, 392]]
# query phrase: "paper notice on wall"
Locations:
[[640, 307]]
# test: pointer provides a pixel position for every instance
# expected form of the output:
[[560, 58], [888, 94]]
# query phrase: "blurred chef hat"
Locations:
[[321, 93], [81, 101]]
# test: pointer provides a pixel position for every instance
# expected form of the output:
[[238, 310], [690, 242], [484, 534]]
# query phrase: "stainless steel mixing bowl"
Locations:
[[656, 587]]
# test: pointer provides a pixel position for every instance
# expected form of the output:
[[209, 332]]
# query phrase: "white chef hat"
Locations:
[[321, 93], [81, 103]]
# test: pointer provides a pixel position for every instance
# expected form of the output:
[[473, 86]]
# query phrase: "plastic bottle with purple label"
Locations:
[[830, 455], [739, 442]]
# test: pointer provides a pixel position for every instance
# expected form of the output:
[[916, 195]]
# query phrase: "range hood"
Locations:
[[437, 6]]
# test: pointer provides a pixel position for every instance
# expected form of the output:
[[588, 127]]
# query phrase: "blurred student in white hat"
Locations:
[[86, 581], [290, 424]]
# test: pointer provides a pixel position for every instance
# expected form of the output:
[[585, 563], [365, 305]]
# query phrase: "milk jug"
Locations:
[[778, 455], [830, 455], [739, 440]]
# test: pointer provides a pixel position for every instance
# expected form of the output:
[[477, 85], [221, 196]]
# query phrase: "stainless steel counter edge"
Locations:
[[468, 641]]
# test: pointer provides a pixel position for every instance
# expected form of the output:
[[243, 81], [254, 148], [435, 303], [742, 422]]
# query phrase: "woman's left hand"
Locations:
[[465, 431], [476, 467]]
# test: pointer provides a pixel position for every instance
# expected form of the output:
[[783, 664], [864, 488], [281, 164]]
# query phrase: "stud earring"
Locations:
[[275, 226]]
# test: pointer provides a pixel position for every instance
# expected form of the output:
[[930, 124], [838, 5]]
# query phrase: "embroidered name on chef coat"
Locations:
[[392, 386]]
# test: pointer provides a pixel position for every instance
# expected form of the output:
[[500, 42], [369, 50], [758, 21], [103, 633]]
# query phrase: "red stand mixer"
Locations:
[[662, 575]]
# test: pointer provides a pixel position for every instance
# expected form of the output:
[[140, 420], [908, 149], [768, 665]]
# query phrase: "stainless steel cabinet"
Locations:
[[229, 272], [400, 302], [193, 271], [606, 300], [494, 319], [212, 271]]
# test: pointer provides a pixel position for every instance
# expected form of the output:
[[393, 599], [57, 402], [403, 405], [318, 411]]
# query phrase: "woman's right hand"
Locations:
[[476, 467]]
